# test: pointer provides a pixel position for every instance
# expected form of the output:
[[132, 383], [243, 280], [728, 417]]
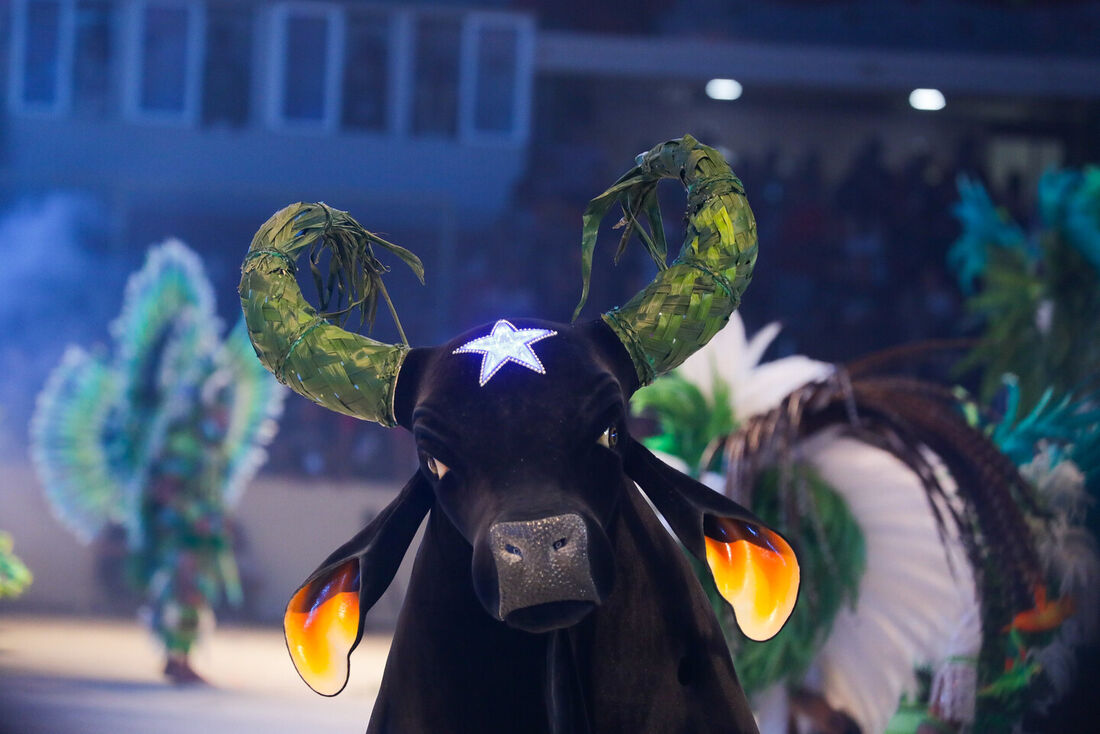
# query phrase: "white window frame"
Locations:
[[334, 67], [17, 66], [401, 73], [133, 70], [472, 26]]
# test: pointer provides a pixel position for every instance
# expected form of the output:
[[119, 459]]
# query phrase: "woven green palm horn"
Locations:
[[690, 300], [335, 368]]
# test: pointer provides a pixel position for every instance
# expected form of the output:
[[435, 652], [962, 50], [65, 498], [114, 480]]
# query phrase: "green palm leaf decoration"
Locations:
[[354, 275]]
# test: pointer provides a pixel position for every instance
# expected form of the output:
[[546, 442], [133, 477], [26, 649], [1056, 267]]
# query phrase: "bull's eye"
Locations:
[[436, 467], [609, 438]]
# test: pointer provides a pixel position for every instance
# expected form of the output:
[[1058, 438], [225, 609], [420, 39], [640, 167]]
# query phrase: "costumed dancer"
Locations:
[[160, 437], [886, 583], [1037, 295], [862, 468]]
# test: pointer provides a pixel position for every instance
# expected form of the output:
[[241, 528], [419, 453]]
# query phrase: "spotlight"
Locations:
[[724, 89], [927, 99]]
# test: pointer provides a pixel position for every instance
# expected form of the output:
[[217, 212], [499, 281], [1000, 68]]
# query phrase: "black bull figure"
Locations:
[[546, 596]]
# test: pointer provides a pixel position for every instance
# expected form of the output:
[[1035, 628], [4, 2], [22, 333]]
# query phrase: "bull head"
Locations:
[[521, 426]]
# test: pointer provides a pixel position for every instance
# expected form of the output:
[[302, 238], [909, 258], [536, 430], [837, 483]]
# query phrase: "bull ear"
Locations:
[[323, 622], [754, 568]]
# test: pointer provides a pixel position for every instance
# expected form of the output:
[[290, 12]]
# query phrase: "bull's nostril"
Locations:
[[539, 565]]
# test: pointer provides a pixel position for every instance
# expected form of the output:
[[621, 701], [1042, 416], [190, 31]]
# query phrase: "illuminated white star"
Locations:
[[506, 344]]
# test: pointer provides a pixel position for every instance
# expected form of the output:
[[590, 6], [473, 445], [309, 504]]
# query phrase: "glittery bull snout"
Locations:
[[542, 561]]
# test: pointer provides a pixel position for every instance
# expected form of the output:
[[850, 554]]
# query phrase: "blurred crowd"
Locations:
[[859, 264]]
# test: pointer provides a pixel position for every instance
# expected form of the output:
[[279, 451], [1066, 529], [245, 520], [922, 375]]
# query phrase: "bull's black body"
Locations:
[[546, 595], [646, 661], [649, 658]]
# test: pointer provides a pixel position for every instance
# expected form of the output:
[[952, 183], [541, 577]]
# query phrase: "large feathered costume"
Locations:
[[886, 587], [161, 437], [926, 545], [1036, 295]]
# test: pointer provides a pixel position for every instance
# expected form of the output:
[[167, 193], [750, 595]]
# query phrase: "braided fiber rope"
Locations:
[[335, 368], [690, 300]]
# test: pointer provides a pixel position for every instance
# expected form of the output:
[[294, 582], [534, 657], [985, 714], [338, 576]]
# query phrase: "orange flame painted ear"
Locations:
[[754, 568], [322, 627], [324, 619]]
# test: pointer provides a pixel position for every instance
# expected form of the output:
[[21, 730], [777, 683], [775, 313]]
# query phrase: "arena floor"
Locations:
[[74, 676]]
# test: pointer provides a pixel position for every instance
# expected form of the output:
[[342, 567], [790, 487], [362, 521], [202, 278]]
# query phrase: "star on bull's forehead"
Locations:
[[506, 344]]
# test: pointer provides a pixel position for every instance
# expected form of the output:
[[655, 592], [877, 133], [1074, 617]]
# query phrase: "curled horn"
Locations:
[[690, 300], [335, 368]]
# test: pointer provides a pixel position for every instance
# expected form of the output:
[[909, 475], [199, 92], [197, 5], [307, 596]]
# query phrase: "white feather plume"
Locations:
[[755, 388], [910, 600], [913, 603]]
